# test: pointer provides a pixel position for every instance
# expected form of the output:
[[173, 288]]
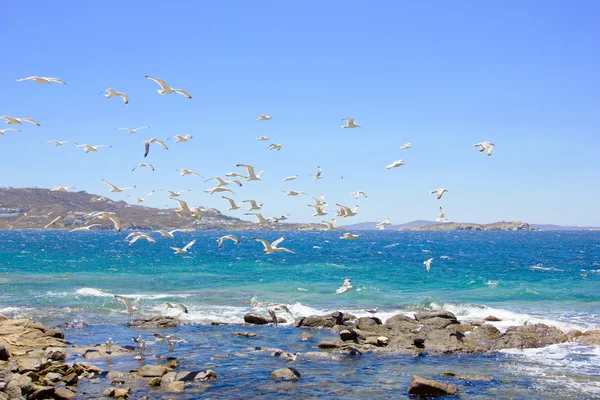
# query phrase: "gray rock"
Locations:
[[71, 379], [30, 364], [176, 387], [5, 375], [55, 333], [4, 354], [152, 371], [366, 323], [208, 375], [245, 334], [155, 322], [305, 336], [591, 337], [3, 396], [433, 314], [64, 394], [42, 393], [491, 318], [52, 379], [530, 336], [400, 318], [112, 375], [438, 323], [18, 386], [56, 353], [13, 390], [256, 319], [168, 378], [428, 388], [317, 355], [324, 321], [286, 374], [122, 393]]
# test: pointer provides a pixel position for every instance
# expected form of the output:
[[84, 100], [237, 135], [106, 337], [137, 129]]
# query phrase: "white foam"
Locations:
[[540, 267], [93, 292]]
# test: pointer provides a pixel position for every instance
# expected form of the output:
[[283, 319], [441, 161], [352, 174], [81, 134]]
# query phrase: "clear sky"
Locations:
[[442, 75]]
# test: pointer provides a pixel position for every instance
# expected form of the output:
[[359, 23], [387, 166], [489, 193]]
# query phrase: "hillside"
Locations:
[[28, 208], [371, 226], [496, 226]]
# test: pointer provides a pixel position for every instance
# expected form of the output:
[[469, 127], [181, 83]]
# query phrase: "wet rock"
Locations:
[[155, 322], [176, 387], [64, 394], [491, 318], [422, 316], [324, 321], [168, 378], [24, 334], [591, 337], [56, 353], [172, 364], [477, 322], [286, 374], [4, 354], [305, 336], [347, 335], [122, 393], [52, 379], [41, 393], [530, 336], [152, 371], [154, 382], [284, 355], [329, 344], [573, 333], [71, 379], [208, 375], [245, 334], [429, 388], [317, 355], [256, 319]]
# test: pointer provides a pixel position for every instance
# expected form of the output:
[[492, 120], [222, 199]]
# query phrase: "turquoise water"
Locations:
[[549, 277]]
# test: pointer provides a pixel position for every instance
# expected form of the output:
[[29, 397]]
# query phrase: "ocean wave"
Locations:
[[540, 267], [93, 292]]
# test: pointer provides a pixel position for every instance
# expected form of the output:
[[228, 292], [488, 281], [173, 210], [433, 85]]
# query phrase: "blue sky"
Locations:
[[442, 75]]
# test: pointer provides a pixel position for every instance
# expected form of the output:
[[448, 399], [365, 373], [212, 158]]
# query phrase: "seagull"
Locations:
[[61, 188], [197, 212], [185, 172], [442, 217], [251, 175], [395, 164], [42, 79], [417, 330], [148, 142], [350, 123], [103, 215], [253, 205], [14, 130], [113, 93], [183, 309], [383, 224], [101, 199], [264, 117], [406, 146], [236, 175], [218, 189], [232, 205], [318, 174], [184, 249], [359, 193], [488, 147], [349, 236], [330, 225], [275, 146], [182, 139], [89, 148], [131, 306], [175, 194], [428, 264], [84, 228], [290, 178], [139, 235], [233, 238], [320, 201], [132, 131], [166, 89], [262, 138], [293, 193], [18, 121], [319, 210], [168, 234], [346, 286], [439, 192], [279, 307], [58, 143], [52, 222], [141, 199], [346, 211], [259, 217], [221, 182], [109, 345], [116, 189], [372, 311], [277, 219], [271, 247], [183, 207], [144, 165]]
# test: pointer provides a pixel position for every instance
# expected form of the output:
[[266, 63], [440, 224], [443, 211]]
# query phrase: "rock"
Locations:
[[5, 375], [154, 382], [64, 394], [256, 319], [382, 341], [422, 316], [71, 379], [286, 374], [329, 344], [245, 334], [305, 336], [428, 388], [572, 334], [168, 378], [122, 393], [172, 364], [176, 387], [25, 334], [530, 336], [324, 321], [3, 396], [13, 390], [55, 333], [400, 318], [42, 393], [73, 325], [56, 353], [4, 354], [284, 355], [30, 364], [3, 317], [438, 323], [208, 375], [112, 375], [109, 392], [317, 355], [367, 322], [347, 335], [52, 379], [491, 318], [152, 371], [590, 338], [477, 322], [155, 322], [19, 385]]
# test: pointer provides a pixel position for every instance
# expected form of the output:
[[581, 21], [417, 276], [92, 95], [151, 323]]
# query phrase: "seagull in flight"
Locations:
[[148, 142], [168, 234], [290, 178], [271, 247], [218, 189], [251, 175], [372, 310], [91, 149], [135, 236], [349, 236], [18, 121], [58, 143], [42, 79], [405, 146], [132, 131], [184, 249], [232, 205], [275, 146], [116, 189], [166, 89], [236, 175], [318, 174], [84, 228], [100, 199], [293, 193], [331, 226], [395, 164], [383, 224], [359, 193], [183, 207], [113, 93], [141, 199], [346, 286], [183, 309], [52, 222], [264, 117], [428, 264], [350, 123], [253, 205], [442, 217], [346, 211], [221, 182], [144, 165], [131, 306], [14, 130], [320, 201], [274, 309], [185, 172], [61, 188], [488, 147], [319, 210], [175, 194], [262, 138], [182, 139], [439, 192], [233, 238], [259, 217]]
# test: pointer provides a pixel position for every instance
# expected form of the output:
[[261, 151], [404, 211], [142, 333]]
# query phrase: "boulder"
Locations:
[[367, 322], [71, 379], [5, 375], [55, 333], [24, 334], [589, 337], [324, 321], [41, 393], [256, 319], [3, 317], [347, 335], [491, 318], [530, 336], [18, 386], [286, 374], [4, 354], [329, 344], [382, 341], [438, 323], [64, 394], [52, 379], [168, 378], [56, 353], [245, 334], [305, 336], [284, 355], [154, 382], [112, 375], [573, 333], [152, 371], [208, 375], [429, 388], [317, 355], [422, 316], [122, 393], [30, 364], [155, 322], [176, 387]]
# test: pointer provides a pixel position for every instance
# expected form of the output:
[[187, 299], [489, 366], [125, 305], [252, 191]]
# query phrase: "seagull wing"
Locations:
[[31, 121], [277, 242], [264, 242], [147, 147], [162, 83], [110, 184], [190, 244], [183, 92], [249, 168], [126, 302]]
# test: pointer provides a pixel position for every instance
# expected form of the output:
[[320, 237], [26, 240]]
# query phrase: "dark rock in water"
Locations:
[[4, 354], [155, 322], [491, 318], [347, 335], [55, 333], [64, 394], [428, 388], [304, 336], [56, 353], [71, 379], [286, 374], [73, 325], [324, 321], [433, 314], [219, 323], [256, 319], [530, 336], [245, 334], [355, 352], [419, 343], [331, 344]]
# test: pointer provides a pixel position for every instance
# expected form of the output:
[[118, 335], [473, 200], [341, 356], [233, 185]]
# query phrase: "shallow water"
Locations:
[[550, 277]]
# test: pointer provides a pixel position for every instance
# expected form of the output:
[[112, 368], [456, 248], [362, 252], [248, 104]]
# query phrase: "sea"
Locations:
[[520, 277]]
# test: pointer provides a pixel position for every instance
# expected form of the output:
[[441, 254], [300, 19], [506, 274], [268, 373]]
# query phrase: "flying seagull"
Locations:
[[183, 309], [359, 193], [428, 264], [148, 142], [91, 149], [185, 172], [349, 236], [264, 117], [330, 225], [253, 205], [233, 238], [141, 199], [262, 138], [182, 139], [18, 121], [42, 79], [175, 194], [132, 131], [144, 165], [442, 217], [290, 178], [395, 164], [275, 146], [113, 93], [166, 89], [383, 224], [59, 143], [350, 123], [271, 247], [251, 175], [439, 192], [318, 174], [131, 306], [274, 309], [184, 249], [405, 146], [15, 130], [259, 217], [232, 205], [116, 189], [488, 147]]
